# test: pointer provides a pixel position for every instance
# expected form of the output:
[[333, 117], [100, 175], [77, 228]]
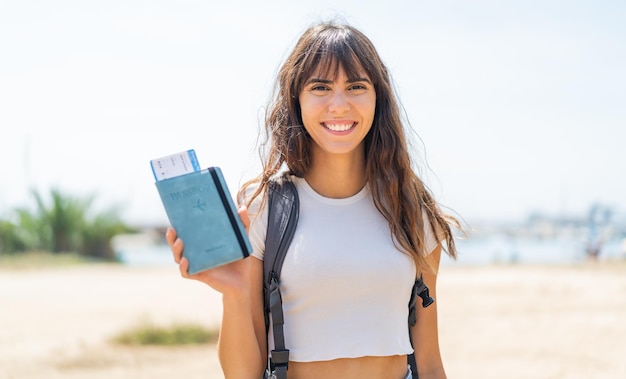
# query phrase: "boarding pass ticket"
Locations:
[[174, 165]]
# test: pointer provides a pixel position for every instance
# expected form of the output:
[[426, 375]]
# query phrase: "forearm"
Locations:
[[239, 349]]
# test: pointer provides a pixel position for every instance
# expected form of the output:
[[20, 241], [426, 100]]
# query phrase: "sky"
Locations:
[[520, 107]]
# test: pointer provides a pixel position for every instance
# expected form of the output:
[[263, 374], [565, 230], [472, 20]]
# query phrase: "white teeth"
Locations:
[[338, 127]]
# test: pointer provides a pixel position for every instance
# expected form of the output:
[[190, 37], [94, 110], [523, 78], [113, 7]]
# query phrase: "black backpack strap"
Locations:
[[283, 210], [419, 289]]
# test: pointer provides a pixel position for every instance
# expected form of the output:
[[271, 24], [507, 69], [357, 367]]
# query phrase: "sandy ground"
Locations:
[[495, 322]]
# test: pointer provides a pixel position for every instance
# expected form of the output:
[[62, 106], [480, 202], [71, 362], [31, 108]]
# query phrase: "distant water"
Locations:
[[148, 255], [500, 249], [473, 251]]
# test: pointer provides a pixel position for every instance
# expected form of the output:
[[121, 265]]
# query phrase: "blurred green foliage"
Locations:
[[183, 334], [62, 224]]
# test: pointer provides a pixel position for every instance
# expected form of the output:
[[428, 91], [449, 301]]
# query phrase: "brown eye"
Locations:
[[320, 88]]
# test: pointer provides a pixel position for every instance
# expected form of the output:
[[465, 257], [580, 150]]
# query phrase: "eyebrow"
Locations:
[[328, 81]]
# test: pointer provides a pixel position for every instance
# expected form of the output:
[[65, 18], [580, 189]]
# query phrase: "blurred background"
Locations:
[[519, 107]]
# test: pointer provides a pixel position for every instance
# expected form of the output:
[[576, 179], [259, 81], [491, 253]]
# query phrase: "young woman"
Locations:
[[368, 226]]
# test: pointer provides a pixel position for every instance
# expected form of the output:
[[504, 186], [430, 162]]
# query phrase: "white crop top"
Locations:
[[344, 285]]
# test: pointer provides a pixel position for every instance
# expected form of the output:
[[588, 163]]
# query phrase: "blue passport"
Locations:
[[201, 209]]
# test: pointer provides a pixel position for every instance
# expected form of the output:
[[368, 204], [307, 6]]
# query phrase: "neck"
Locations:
[[337, 176]]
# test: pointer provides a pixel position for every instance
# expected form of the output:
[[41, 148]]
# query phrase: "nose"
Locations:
[[338, 103]]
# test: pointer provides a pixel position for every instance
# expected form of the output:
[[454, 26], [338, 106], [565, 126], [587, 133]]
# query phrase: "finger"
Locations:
[[243, 215], [184, 267], [177, 250], [170, 235]]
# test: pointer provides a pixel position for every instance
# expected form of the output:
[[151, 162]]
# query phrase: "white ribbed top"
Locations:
[[345, 287]]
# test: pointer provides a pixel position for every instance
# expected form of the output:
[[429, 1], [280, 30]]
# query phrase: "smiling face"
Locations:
[[338, 111]]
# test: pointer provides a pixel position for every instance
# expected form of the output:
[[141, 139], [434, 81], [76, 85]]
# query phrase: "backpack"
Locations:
[[283, 205]]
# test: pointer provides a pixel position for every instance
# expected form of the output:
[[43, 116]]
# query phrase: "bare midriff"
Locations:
[[390, 367]]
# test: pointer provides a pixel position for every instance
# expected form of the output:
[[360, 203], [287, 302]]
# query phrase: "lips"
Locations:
[[339, 127]]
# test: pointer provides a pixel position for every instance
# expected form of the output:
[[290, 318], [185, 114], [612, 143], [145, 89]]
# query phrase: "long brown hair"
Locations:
[[398, 193]]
